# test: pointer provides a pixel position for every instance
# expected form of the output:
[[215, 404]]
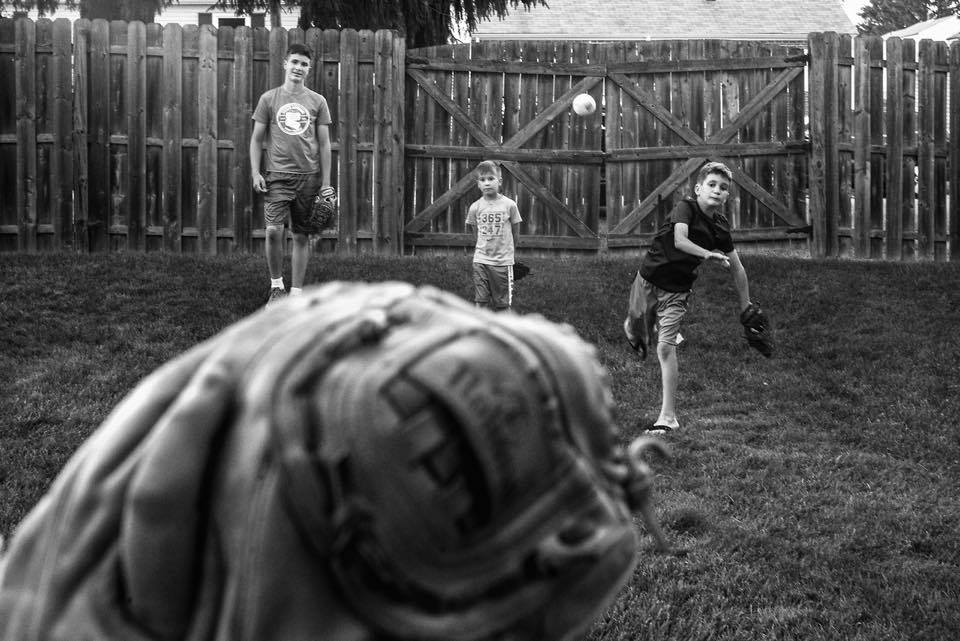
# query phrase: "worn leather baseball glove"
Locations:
[[364, 461], [323, 213], [756, 329]]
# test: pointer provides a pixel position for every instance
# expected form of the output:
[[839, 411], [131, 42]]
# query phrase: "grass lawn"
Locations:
[[818, 491]]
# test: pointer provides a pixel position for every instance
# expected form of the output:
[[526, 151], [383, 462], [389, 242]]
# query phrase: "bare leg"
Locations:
[[273, 247], [669, 371], [299, 259]]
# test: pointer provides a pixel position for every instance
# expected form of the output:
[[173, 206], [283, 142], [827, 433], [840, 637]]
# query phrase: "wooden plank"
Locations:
[[365, 136], [61, 171], [26, 114], [926, 177], [844, 132], [207, 174], [172, 159], [349, 47], [940, 202], [155, 87], [243, 127], [953, 214], [119, 160], [894, 116], [81, 178], [875, 217], [910, 138], [861, 154], [226, 141], [135, 97]]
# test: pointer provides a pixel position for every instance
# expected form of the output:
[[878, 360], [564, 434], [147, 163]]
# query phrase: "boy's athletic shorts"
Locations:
[[493, 285], [289, 195], [669, 307]]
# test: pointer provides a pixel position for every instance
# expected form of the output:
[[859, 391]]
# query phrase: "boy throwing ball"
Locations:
[[495, 221], [696, 231]]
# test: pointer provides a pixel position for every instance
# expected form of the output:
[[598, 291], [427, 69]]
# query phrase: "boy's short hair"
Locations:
[[488, 167], [300, 50], [714, 168]]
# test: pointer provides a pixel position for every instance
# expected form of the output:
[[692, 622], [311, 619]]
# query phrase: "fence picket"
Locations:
[[894, 158]]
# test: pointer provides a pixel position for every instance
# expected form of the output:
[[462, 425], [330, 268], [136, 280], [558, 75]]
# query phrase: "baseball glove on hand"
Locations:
[[367, 461], [520, 271], [756, 329], [324, 210]]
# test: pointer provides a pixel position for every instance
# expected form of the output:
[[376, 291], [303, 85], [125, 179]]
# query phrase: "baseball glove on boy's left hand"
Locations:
[[324, 210], [520, 271], [756, 329]]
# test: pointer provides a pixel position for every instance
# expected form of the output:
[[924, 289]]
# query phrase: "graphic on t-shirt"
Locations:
[[490, 223], [293, 118]]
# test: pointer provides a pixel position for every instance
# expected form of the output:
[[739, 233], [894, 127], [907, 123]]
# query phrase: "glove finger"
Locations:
[[161, 503]]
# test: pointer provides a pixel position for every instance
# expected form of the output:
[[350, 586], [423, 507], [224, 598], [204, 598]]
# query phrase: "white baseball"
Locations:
[[584, 104]]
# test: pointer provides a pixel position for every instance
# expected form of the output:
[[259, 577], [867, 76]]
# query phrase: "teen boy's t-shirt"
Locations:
[[493, 219], [674, 270], [292, 117]]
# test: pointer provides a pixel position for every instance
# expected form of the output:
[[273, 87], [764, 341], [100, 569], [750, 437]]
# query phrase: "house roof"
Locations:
[[772, 20], [946, 28]]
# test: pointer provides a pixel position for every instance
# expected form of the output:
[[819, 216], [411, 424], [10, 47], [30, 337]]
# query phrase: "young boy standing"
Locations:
[[696, 231], [495, 220], [296, 121]]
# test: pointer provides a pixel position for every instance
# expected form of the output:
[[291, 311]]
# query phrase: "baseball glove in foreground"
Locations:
[[363, 461], [324, 210], [756, 329]]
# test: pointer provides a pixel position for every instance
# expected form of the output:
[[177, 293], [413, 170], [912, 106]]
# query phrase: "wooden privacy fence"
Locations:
[[117, 136]]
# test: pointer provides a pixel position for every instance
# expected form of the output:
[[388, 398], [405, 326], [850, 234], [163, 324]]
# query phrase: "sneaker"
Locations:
[[277, 294]]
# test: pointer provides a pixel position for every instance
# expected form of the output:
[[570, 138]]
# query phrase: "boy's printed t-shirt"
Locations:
[[292, 117], [493, 219]]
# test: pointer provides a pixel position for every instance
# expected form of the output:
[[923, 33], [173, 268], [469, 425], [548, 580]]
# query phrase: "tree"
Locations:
[[422, 22], [884, 16], [143, 10]]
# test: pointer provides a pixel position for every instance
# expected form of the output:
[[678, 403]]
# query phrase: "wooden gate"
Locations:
[[604, 182]]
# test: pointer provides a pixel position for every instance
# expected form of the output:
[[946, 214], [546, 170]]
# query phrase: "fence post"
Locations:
[[953, 144], [172, 131], [347, 126], [207, 134], [25, 65], [861, 149], [824, 161], [136, 97]]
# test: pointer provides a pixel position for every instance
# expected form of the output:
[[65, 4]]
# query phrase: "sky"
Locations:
[[853, 7]]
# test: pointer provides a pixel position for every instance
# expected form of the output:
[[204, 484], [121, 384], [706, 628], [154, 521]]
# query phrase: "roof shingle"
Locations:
[[669, 20]]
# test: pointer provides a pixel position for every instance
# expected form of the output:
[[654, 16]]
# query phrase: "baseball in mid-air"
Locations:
[[584, 104]]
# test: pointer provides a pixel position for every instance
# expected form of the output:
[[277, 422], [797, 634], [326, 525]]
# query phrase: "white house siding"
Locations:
[[183, 13]]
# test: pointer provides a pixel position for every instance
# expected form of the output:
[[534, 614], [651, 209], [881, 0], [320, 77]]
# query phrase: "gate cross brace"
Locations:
[[463, 185], [725, 134]]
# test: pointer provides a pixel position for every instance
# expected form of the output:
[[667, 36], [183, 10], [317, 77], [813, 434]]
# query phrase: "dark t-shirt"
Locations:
[[673, 270]]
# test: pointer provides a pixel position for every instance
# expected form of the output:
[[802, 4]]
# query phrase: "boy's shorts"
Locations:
[[649, 304], [493, 285], [289, 196]]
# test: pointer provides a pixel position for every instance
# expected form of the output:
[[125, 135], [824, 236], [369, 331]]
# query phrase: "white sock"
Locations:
[[276, 282], [296, 291]]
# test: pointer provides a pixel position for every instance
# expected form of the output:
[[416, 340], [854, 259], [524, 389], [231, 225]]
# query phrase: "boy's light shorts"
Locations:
[[669, 307], [289, 195], [493, 285]]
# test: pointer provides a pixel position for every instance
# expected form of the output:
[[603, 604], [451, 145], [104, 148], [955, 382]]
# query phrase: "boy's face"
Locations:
[[296, 66], [489, 184], [713, 191]]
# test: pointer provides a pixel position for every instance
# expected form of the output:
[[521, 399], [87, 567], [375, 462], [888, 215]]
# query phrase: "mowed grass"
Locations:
[[818, 492]]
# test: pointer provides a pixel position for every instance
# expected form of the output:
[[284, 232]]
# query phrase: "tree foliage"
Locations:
[[884, 16], [422, 22], [143, 10]]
